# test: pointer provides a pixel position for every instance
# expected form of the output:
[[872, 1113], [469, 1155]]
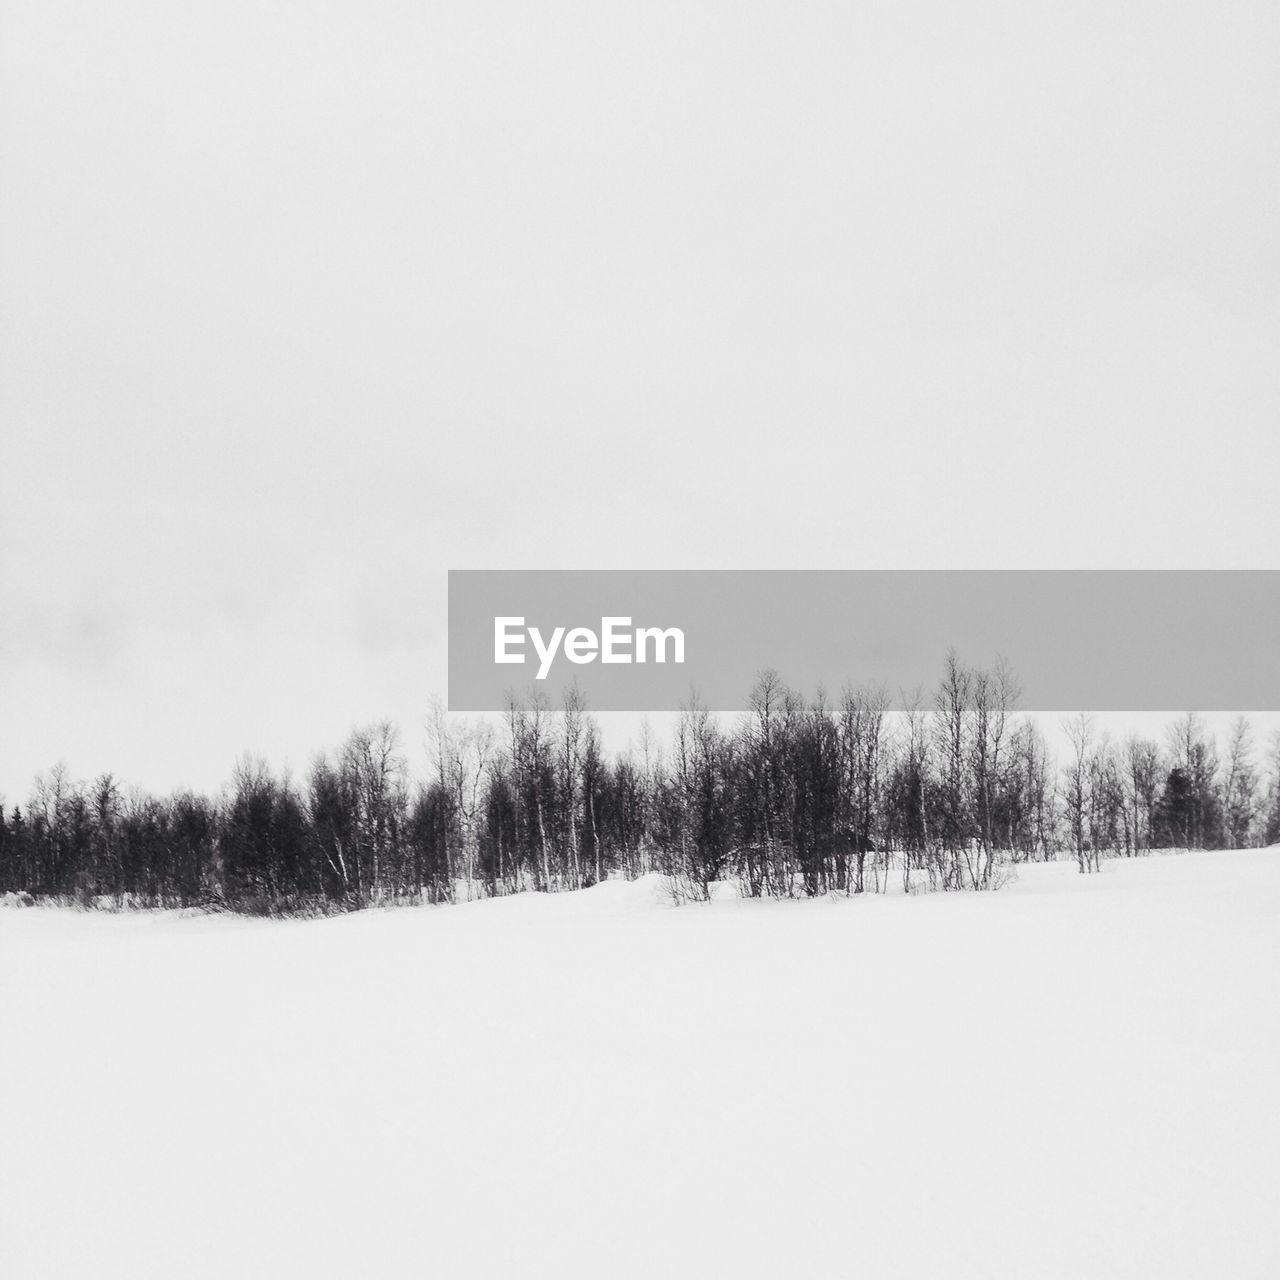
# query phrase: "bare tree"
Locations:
[[700, 843], [462, 752], [1141, 764], [1271, 816], [952, 721], [374, 767], [907, 817], [1108, 811], [994, 696], [1028, 810], [530, 746], [1077, 791], [861, 741], [1240, 785], [571, 745]]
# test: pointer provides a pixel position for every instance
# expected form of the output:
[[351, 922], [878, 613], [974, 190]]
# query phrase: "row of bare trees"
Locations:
[[1130, 796], [797, 797]]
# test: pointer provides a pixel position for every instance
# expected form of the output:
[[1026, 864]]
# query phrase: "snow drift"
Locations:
[[1073, 1077]]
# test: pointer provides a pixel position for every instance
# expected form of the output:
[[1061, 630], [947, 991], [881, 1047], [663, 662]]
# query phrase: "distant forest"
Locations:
[[803, 797]]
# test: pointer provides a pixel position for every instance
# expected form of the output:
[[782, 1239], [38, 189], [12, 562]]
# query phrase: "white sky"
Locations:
[[303, 304]]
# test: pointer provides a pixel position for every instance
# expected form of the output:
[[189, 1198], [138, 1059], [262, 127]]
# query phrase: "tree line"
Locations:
[[801, 797]]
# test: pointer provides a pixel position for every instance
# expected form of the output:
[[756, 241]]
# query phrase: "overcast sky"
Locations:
[[303, 304]]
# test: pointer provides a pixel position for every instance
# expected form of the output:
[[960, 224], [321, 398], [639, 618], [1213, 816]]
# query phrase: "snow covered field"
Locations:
[[1074, 1077]]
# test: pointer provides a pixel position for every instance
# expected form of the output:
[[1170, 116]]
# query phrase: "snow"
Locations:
[[1075, 1076]]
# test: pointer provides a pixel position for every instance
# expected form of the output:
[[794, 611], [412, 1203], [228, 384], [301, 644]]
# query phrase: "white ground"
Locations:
[[1071, 1077]]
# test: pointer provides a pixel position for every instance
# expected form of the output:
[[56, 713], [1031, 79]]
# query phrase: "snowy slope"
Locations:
[[1075, 1077]]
